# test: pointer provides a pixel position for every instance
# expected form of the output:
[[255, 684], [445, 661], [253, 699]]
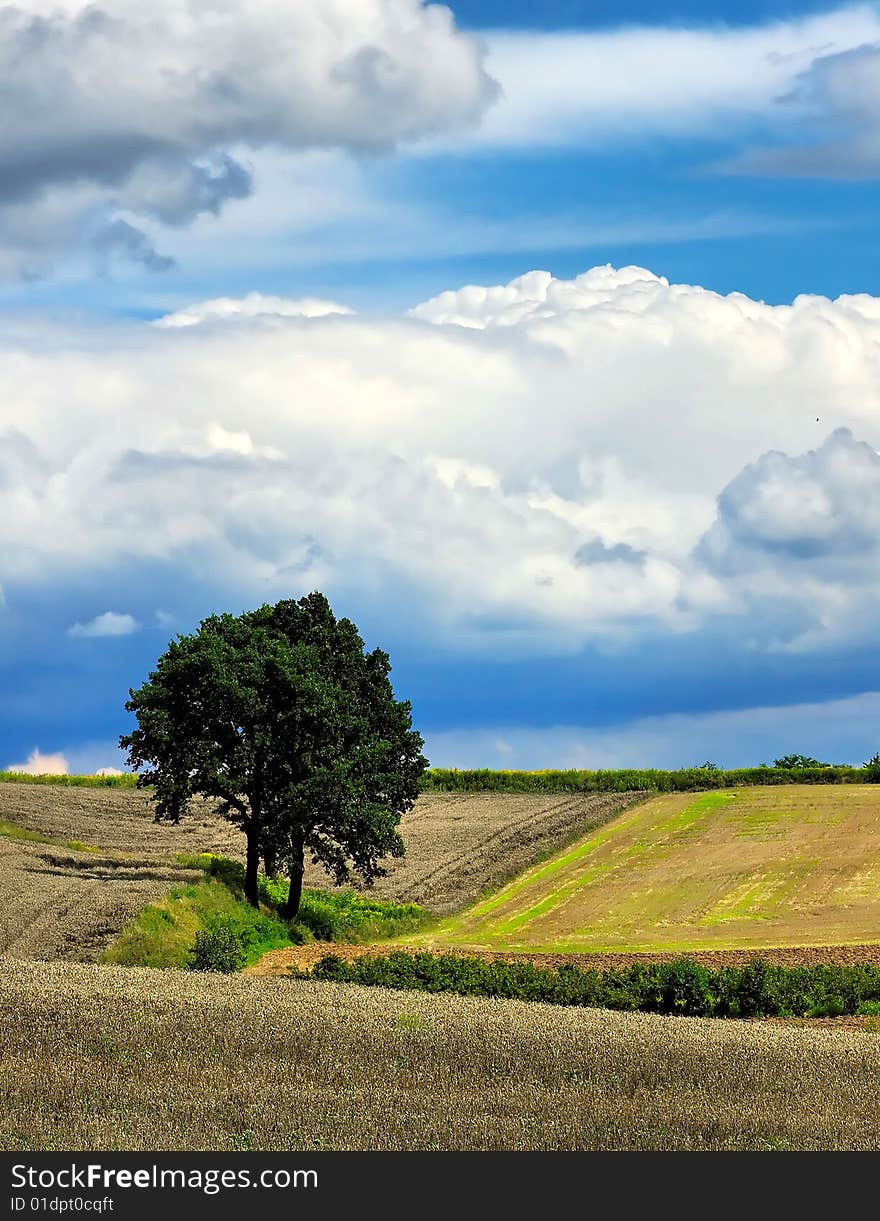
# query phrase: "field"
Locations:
[[113, 1058], [91, 860], [740, 869], [103, 1057], [77, 864]]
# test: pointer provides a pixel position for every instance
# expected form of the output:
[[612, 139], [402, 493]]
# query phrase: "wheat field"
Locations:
[[115, 1058]]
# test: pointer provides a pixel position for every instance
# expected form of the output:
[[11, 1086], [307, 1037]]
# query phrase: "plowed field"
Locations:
[[105, 858]]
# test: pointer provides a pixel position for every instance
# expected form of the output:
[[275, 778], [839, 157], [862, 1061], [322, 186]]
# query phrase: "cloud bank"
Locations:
[[833, 109], [836, 731], [530, 468], [603, 88]]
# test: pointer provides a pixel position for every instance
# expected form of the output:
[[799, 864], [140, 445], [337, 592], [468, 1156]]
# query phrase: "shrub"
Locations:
[[346, 915], [218, 949]]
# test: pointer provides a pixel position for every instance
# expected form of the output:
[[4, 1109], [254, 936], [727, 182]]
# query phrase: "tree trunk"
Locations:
[[251, 890], [295, 872]]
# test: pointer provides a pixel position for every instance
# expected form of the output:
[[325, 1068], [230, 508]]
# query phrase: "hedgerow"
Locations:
[[622, 780], [685, 780], [682, 987]]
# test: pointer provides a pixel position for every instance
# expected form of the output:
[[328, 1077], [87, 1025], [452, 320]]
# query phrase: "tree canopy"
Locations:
[[795, 761], [281, 717]]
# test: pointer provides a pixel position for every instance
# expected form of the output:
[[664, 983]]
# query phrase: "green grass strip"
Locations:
[[11, 830]]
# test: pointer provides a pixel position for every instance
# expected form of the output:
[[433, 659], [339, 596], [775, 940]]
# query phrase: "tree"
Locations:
[[796, 761], [281, 717]]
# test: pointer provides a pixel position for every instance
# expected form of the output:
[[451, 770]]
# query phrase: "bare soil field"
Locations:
[[63, 902], [459, 846], [114, 1058]]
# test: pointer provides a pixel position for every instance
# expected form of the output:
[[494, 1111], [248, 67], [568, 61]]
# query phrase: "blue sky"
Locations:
[[597, 517]]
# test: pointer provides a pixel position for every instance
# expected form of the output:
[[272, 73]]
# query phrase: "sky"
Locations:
[[544, 339]]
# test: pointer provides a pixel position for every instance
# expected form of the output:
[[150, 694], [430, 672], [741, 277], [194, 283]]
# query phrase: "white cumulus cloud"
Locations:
[[525, 467], [38, 764], [254, 305], [109, 624]]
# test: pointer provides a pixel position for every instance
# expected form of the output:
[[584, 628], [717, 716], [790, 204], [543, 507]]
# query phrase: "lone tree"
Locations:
[[281, 717]]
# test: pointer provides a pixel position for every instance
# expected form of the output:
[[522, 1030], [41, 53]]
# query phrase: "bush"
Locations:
[[346, 915], [681, 987], [218, 949]]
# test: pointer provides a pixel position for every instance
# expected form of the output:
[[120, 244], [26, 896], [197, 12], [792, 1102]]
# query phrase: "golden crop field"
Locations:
[[735, 869], [124, 1058], [77, 864]]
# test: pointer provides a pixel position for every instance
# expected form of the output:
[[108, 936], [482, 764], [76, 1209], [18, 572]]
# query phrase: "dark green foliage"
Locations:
[[790, 761], [323, 915], [218, 949], [870, 771], [440, 779], [681, 987], [693, 779], [281, 717]]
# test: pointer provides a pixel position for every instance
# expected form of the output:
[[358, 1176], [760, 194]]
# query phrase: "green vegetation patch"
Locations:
[[208, 925], [682, 987], [127, 780], [9, 830], [164, 934], [624, 780], [627, 780], [338, 915]]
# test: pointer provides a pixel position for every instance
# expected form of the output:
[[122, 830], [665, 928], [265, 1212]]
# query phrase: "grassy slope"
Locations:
[[744, 868], [163, 934], [104, 1058]]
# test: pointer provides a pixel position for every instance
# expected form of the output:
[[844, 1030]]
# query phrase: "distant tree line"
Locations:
[[622, 780]]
